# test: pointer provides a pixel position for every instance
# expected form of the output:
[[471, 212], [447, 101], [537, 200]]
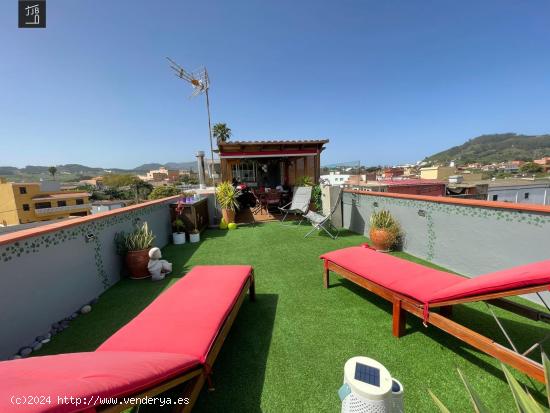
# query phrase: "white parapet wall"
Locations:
[[470, 237], [48, 273]]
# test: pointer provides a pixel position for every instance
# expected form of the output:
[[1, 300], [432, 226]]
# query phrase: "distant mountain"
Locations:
[[147, 167], [170, 165], [495, 148], [75, 171]]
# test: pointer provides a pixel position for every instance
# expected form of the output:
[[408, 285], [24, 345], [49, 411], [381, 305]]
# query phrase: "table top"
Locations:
[[191, 203]]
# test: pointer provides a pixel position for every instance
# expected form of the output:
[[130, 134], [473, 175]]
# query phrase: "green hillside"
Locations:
[[496, 148]]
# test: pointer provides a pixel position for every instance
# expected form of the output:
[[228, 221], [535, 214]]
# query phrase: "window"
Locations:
[[61, 203], [80, 201], [526, 195], [26, 207], [42, 205], [244, 171], [22, 190], [495, 197]]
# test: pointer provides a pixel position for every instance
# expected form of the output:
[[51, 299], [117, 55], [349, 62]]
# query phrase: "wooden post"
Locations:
[[398, 328], [325, 277]]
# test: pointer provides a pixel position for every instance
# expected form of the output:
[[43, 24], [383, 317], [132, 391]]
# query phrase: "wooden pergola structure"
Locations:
[[271, 163]]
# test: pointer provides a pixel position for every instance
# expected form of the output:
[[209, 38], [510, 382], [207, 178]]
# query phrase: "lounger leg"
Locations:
[[446, 311], [326, 274], [252, 289], [192, 391], [398, 328]]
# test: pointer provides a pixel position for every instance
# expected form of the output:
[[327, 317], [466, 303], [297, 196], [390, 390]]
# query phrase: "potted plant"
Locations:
[[194, 236], [178, 225], [384, 230], [178, 236], [135, 247], [226, 194]]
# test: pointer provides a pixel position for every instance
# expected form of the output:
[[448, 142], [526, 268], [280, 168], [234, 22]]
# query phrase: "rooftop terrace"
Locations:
[[286, 351]]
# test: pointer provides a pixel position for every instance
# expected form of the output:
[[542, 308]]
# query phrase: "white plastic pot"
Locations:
[[195, 237], [178, 238]]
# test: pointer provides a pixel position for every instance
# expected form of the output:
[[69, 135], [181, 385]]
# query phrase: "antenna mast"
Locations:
[[200, 82]]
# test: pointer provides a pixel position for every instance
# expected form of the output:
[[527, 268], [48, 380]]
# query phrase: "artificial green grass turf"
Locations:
[[286, 351]]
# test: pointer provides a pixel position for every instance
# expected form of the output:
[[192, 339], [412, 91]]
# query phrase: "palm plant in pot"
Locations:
[[384, 230], [226, 195], [135, 247]]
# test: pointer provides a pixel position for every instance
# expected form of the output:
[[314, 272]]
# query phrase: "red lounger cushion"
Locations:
[[529, 275], [187, 317], [85, 375], [427, 285], [399, 275]]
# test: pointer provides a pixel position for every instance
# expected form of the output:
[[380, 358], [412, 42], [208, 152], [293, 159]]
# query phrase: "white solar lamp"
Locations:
[[397, 397], [367, 387]]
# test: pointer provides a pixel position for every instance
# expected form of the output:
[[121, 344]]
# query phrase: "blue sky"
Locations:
[[386, 81]]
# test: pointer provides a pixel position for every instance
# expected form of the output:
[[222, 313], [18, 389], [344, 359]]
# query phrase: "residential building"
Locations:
[[437, 172], [102, 206], [458, 188], [271, 163], [336, 178], [95, 182], [393, 172], [406, 186], [544, 162], [22, 203], [520, 191]]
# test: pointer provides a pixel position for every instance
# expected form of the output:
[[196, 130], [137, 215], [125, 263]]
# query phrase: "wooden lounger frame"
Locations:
[[192, 380], [403, 304]]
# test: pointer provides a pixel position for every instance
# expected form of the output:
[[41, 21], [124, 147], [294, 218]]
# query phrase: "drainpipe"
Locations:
[[200, 164]]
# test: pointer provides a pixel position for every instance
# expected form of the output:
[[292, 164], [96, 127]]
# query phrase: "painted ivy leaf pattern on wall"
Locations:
[[34, 245], [539, 220]]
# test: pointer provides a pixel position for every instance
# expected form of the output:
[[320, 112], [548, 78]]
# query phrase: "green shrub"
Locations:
[[140, 239], [163, 192]]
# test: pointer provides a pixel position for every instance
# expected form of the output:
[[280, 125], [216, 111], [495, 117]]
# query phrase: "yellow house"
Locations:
[[437, 172], [21, 203]]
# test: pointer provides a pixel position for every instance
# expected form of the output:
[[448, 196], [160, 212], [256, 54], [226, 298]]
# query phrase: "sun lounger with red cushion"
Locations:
[[173, 342], [417, 289]]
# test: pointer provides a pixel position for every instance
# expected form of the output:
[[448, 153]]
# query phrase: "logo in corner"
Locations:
[[32, 14]]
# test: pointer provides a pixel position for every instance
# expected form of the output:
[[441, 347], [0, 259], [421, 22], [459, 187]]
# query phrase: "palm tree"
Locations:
[[52, 170], [221, 132]]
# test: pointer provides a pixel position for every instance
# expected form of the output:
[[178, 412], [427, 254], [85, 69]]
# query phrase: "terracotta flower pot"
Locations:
[[136, 263], [382, 240], [228, 215]]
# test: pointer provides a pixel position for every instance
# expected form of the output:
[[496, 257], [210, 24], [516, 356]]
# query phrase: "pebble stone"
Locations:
[[25, 351], [86, 309], [37, 346]]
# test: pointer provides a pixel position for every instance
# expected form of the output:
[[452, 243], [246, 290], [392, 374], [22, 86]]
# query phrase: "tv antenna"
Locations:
[[200, 82]]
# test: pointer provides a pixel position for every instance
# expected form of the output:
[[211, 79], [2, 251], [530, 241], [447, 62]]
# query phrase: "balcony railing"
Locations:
[[67, 208]]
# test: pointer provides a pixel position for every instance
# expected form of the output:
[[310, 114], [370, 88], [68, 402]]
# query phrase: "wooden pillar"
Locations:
[[398, 328]]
